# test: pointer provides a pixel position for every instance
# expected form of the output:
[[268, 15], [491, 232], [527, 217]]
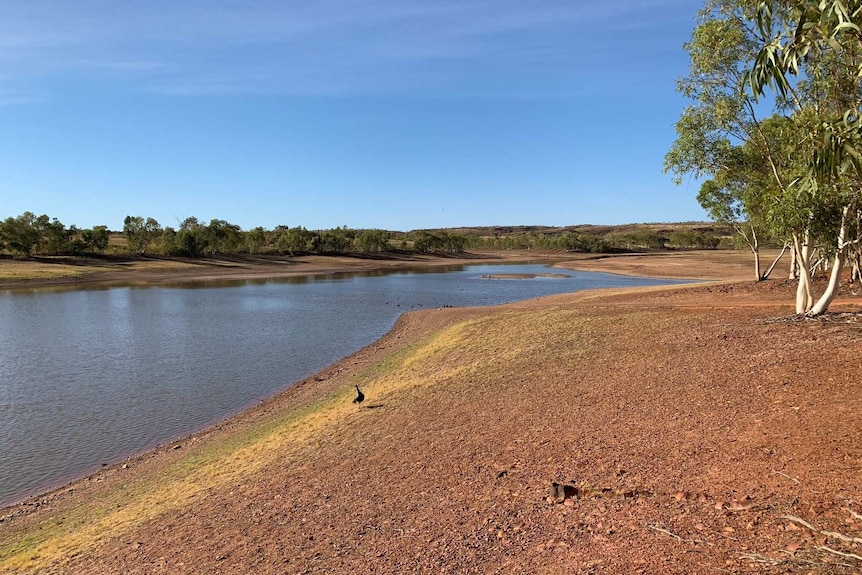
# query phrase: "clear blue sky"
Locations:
[[396, 114]]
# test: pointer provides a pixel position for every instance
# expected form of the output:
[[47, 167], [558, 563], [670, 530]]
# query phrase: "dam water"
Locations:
[[91, 376]]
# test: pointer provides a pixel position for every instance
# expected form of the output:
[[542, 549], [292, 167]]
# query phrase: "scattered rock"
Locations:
[[560, 492]]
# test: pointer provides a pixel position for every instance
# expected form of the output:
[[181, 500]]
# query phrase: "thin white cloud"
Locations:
[[323, 47], [131, 66], [12, 97]]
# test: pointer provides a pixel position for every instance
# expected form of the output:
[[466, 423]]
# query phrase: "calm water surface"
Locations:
[[92, 376]]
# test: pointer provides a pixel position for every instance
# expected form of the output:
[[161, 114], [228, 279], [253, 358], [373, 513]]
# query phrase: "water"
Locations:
[[92, 376]]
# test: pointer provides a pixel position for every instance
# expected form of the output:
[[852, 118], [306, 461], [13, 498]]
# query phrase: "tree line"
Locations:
[[28, 234], [196, 239], [602, 243], [774, 129]]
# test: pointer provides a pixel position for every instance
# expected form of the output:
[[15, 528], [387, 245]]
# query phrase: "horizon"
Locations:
[[407, 231], [406, 114]]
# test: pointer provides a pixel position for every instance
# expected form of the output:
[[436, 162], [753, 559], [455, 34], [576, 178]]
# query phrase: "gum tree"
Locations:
[[20, 234], [798, 172], [811, 57], [140, 232], [720, 135]]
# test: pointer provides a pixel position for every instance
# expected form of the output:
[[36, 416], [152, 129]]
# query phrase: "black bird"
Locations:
[[360, 397]]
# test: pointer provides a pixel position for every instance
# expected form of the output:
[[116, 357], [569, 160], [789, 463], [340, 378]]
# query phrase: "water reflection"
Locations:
[[90, 376], [267, 280], [305, 279]]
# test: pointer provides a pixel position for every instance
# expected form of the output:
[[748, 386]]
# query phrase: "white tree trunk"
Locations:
[[856, 275], [804, 300], [793, 264], [835, 277], [754, 244], [832, 289], [774, 263], [757, 276]]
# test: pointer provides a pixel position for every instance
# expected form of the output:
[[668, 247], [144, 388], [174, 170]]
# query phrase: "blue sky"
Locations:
[[395, 114]]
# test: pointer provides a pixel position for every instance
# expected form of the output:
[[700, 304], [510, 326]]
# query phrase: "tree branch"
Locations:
[[830, 534]]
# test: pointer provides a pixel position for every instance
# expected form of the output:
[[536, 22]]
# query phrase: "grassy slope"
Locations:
[[67, 532], [469, 350]]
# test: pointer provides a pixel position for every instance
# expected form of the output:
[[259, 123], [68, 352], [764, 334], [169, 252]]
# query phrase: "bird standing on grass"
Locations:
[[360, 397]]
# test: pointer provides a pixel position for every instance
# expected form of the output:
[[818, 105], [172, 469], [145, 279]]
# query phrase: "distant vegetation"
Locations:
[[598, 239], [28, 235]]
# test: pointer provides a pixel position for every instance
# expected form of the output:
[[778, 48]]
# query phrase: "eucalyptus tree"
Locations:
[[720, 133], [96, 238], [20, 234], [798, 172], [140, 232], [758, 184], [812, 58], [374, 240], [222, 237], [335, 240], [191, 238], [254, 240], [295, 240], [54, 238]]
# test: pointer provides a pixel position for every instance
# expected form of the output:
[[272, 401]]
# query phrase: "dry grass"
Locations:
[[129, 505], [27, 270], [695, 264], [61, 268], [473, 349], [218, 465]]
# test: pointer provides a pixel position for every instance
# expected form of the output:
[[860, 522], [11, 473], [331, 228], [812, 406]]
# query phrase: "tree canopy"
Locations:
[[784, 161]]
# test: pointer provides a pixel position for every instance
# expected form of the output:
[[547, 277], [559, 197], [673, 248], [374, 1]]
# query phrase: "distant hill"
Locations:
[[592, 229]]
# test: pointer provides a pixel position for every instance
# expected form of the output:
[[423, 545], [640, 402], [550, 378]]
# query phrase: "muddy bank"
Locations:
[[72, 272]]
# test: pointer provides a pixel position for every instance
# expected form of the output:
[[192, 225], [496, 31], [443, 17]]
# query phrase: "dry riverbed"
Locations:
[[658, 430]]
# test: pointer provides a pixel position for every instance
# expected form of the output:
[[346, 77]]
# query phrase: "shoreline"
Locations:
[[171, 279], [71, 273], [83, 273], [214, 271], [323, 266], [313, 424]]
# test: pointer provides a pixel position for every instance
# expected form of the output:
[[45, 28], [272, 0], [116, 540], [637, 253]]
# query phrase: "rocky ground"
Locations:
[[686, 430]]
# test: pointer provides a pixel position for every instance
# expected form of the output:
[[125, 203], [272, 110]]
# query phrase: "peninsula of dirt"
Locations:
[[700, 429]]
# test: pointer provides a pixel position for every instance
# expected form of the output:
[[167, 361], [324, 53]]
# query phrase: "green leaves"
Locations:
[[795, 173]]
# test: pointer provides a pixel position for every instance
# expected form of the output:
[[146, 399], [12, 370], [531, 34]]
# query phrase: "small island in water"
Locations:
[[523, 276]]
